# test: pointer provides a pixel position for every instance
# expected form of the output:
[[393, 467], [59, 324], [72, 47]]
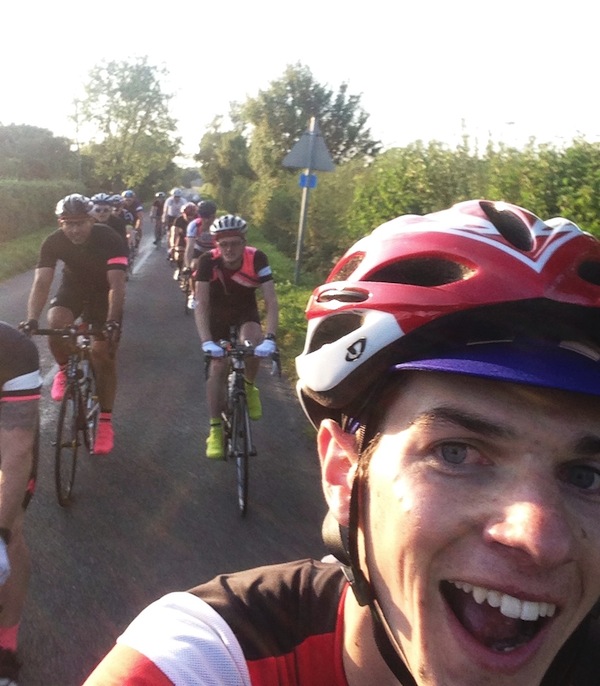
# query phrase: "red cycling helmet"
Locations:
[[479, 271]]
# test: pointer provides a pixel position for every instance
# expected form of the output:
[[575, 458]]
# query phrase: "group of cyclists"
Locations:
[[93, 242], [452, 370]]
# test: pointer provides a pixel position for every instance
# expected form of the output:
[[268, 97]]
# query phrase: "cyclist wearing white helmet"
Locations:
[[93, 283], [172, 209], [452, 366], [226, 282]]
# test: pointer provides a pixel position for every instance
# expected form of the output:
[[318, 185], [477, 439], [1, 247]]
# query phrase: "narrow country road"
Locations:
[[155, 515]]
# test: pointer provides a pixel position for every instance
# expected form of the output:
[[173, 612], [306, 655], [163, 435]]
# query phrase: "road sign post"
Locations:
[[310, 153]]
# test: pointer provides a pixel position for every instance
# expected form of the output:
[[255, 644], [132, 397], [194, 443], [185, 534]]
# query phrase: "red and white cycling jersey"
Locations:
[[272, 626]]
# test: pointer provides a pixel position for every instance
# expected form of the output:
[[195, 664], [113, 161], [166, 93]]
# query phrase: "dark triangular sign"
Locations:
[[310, 152]]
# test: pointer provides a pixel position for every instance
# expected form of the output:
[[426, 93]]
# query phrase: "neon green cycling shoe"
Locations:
[[214, 443], [253, 398]]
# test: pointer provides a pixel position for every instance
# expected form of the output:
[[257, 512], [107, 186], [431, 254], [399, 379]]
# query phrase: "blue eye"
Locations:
[[454, 453], [583, 477]]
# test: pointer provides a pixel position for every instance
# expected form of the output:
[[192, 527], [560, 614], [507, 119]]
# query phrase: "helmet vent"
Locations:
[[590, 271], [333, 328], [509, 225], [344, 295], [422, 271], [347, 268]]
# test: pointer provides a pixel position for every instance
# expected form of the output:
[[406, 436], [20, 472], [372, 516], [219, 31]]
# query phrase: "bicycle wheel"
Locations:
[[69, 437], [91, 405], [131, 260], [240, 437]]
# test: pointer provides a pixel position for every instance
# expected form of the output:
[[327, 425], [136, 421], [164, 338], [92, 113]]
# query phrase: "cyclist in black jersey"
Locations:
[[452, 367], [93, 283], [177, 236], [103, 212], [20, 384], [132, 205]]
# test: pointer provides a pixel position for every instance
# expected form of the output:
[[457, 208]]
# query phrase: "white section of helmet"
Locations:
[[326, 367]]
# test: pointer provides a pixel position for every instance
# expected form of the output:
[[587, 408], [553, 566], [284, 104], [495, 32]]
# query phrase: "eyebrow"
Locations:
[[588, 445], [466, 420]]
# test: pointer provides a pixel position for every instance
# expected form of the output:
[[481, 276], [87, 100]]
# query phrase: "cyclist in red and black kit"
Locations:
[[198, 240], [20, 384], [226, 282], [452, 367], [93, 282], [177, 237]]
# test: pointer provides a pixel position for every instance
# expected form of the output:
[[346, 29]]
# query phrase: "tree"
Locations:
[[276, 118], [224, 158], [29, 152], [126, 106]]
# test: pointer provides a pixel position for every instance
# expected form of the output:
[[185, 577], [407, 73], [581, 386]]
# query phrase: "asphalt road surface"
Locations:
[[155, 515]]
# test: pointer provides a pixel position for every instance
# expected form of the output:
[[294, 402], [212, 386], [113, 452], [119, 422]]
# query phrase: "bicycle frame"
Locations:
[[79, 411]]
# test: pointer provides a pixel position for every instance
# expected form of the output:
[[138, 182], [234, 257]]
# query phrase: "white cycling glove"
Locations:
[[4, 563], [212, 349], [266, 348]]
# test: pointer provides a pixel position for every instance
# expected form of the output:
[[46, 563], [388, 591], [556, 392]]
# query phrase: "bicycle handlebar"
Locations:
[[240, 350], [70, 331]]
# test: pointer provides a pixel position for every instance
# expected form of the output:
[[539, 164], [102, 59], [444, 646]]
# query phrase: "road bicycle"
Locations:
[[133, 241], [237, 428], [186, 284], [79, 410]]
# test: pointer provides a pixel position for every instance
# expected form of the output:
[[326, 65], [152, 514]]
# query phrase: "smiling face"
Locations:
[[231, 246], [482, 517], [77, 230]]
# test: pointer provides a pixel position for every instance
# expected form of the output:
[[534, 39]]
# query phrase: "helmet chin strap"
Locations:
[[567, 662], [388, 648]]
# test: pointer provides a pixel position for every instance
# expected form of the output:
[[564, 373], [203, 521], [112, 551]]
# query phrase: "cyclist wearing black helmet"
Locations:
[[134, 206], [93, 281], [452, 366]]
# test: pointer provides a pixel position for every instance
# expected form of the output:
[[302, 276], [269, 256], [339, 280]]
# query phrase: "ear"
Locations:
[[339, 458]]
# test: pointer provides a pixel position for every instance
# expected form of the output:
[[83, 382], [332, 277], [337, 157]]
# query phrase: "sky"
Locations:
[[426, 69]]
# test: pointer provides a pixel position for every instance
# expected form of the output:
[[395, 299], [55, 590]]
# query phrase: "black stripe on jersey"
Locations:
[[272, 610]]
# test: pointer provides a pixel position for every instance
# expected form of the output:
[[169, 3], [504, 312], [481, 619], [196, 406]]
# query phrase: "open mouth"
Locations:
[[497, 620]]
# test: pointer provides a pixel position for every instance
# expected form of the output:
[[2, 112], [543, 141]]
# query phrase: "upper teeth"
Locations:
[[509, 606]]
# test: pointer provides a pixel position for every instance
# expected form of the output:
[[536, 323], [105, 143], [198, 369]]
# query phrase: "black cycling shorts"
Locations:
[[93, 305], [222, 321]]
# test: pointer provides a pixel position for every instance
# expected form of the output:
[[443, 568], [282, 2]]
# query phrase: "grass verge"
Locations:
[[20, 254]]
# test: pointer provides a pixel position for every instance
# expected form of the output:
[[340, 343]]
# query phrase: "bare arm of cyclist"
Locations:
[[202, 311], [17, 437], [271, 304], [116, 294], [39, 291]]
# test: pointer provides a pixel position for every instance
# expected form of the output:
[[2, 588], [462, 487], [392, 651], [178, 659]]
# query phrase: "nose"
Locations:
[[537, 526]]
